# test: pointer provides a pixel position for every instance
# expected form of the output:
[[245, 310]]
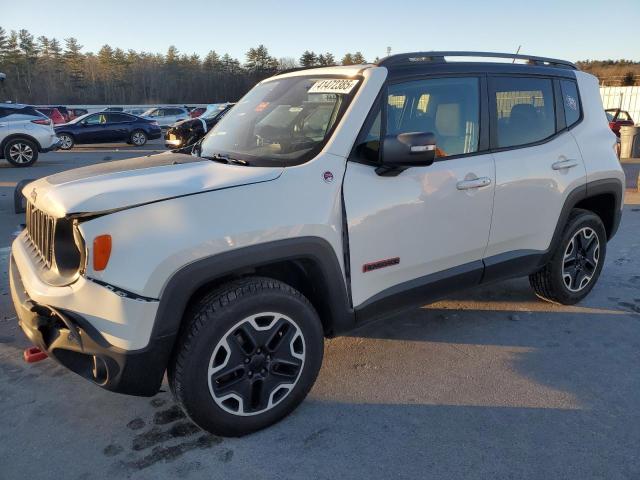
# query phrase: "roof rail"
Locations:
[[414, 58]]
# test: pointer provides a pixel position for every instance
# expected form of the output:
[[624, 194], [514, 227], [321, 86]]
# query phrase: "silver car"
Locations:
[[166, 116], [24, 133]]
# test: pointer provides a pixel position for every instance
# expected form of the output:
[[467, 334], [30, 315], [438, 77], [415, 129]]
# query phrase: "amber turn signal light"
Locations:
[[101, 252]]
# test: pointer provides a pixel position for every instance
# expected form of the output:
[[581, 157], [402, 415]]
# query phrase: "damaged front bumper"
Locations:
[[72, 341]]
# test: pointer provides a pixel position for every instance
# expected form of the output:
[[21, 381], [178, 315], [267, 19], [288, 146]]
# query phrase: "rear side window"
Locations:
[[571, 101], [119, 117], [524, 110]]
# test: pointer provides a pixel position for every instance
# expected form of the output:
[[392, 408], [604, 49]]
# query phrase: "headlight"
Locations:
[[68, 248]]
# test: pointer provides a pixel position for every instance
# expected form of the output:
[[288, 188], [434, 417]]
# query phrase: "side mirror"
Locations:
[[416, 149]]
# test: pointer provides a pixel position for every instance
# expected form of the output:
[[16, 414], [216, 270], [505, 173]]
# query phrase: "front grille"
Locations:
[[40, 230]]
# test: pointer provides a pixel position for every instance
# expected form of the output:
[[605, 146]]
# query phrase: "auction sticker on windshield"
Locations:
[[334, 85]]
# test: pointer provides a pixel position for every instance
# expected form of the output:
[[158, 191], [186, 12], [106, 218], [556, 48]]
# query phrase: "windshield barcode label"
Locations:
[[333, 85]]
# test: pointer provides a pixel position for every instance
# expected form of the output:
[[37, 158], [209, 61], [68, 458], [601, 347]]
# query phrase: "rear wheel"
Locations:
[[247, 357], [138, 138], [575, 266], [66, 141], [21, 152]]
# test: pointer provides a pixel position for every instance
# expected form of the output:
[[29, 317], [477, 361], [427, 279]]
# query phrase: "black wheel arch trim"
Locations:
[[186, 282], [612, 186], [16, 136]]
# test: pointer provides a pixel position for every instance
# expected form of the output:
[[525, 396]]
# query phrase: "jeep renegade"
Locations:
[[325, 198]]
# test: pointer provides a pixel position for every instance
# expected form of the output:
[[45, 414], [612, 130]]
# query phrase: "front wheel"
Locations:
[[138, 138], [576, 264], [248, 355], [21, 152]]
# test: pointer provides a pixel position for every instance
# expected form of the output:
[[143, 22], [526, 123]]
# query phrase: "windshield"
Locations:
[[147, 113], [281, 122]]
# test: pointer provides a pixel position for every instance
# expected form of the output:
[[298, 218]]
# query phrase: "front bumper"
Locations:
[[54, 146], [71, 339], [155, 134]]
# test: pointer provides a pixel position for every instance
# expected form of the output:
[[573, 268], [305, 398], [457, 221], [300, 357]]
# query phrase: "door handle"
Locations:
[[562, 164], [474, 183]]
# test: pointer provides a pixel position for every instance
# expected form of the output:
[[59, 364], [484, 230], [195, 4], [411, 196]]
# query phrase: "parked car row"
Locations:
[[28, 130]]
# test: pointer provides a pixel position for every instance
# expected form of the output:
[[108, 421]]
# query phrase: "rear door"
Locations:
[[425, 224], [538, 163], [119, 126]]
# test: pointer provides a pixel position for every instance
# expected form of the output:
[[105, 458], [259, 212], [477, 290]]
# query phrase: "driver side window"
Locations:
[[447, 107], [96, 119]]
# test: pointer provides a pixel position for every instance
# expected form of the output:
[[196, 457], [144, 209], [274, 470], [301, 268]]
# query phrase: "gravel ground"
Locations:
[[491, 383]]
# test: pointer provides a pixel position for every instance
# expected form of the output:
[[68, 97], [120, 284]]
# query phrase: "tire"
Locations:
[[575, 266], [138, 138], [21, 152], [248, 354], [19, 201], [66, 141]]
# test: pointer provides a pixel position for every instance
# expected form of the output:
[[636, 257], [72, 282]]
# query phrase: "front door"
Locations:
[[425, 224], [93, 129]]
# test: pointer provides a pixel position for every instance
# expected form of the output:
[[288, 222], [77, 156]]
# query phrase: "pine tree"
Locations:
[[308, 59], [74, 61], [212, 61], [229, 64], [326, 59], [358, 58], [259, 60], [3, 44], [347, 59]]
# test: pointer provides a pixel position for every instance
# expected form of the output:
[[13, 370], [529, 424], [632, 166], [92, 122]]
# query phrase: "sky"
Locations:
[[568, 29]]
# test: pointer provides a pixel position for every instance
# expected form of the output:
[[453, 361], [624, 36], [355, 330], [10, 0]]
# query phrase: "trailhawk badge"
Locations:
[[328, 177]]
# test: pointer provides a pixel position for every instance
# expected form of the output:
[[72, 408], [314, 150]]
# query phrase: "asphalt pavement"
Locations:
[[491, 383]]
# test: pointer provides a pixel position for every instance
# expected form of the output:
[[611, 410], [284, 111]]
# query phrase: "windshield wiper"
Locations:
[[216, 157]]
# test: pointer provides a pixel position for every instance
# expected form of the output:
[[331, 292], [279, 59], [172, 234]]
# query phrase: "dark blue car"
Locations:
[[107, 127]]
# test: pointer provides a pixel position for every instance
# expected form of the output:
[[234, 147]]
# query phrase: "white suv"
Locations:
[[324, 199], [24, 132], [166, 116]]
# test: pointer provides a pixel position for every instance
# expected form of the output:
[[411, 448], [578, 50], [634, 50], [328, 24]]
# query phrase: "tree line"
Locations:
[[624, 73], [44, 70]]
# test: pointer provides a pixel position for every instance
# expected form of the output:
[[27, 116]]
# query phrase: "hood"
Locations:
[[186, 123], [128, 183]]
